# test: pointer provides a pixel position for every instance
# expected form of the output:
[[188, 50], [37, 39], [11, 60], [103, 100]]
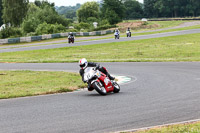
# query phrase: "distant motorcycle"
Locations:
[[71, 39], [128, 33], [116, 35], [99, 81]]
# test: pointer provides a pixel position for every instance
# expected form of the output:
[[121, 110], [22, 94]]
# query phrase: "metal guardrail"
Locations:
[[50, 36]]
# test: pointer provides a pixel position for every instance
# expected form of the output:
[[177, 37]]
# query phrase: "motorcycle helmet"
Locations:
[[83, 63], [71, 33]]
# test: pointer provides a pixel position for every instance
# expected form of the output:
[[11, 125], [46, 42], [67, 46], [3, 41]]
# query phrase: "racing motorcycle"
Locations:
[[116, 35], [71, 39], [99, 81], [128, 33]]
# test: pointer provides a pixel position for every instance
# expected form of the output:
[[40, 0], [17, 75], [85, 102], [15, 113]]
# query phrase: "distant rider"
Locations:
[[128, 32], [71, 36], [117, 32], [84, 64]]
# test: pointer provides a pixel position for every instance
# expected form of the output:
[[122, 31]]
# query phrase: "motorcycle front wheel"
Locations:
[[99, 88], [116, 87]]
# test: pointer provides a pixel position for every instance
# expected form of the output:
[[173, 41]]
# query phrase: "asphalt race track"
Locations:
[[159, 93], [163, 93], [52, 46]]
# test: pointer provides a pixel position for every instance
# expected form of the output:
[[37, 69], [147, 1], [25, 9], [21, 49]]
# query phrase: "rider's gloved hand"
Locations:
[[98, 66]]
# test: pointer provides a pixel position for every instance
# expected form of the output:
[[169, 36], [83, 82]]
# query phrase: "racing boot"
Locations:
[[90, 88], [110, 77]]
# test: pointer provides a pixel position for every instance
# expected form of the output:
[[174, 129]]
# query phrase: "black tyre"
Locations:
[[116, 87], [99, 88]]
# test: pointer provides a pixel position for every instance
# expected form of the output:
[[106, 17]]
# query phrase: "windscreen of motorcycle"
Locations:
[[88, 73]]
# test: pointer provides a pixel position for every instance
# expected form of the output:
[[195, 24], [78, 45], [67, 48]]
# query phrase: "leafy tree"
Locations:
[[68, 11], [113, 10], [45, 28], [88, 9], [133, 9], [43, 3], [14, 11], [71, 14], [38, 15], [149, 9], [171, 8], [112, 16], [1, 9], [32, 20]]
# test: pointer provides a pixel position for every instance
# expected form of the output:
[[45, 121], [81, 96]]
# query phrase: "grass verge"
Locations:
[[150, 25], [180, 128], [169, 30], [176, 48], [30, 83]]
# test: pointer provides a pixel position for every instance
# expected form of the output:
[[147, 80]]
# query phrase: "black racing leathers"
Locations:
[[102, 69]]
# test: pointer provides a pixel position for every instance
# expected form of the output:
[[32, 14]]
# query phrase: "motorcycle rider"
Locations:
[[128, 31], [71, 36], [117, 32], [83, 63]]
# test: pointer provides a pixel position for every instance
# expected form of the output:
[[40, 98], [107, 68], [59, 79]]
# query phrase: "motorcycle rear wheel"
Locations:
[[99, 88]]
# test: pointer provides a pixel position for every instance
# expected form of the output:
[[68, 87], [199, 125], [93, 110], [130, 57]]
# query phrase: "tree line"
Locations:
[[171, 8]]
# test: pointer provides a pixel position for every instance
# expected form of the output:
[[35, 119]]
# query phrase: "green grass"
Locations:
[[176, 48], [181, 128], [30, 83], [169, 30], [166, 24]]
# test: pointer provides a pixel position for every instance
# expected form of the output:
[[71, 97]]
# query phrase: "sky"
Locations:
[[70, 2]]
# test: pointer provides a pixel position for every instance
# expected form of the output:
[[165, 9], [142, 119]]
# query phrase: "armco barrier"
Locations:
[[14, 40], [3, 41], [25, 39], [86, 33], [49, 36], [55, 35], [98, 33], [36, 38], [44, 37]]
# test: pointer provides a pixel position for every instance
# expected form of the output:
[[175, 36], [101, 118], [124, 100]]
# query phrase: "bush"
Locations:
[[10, 32], [104, 27], [84, 25], [91, 20], [30, 25], [72, 30], [77, 27], [49, 28]]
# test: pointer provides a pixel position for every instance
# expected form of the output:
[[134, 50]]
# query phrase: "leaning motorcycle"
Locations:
[[99, 81], [71, 39], [128, 33], [116, 35]]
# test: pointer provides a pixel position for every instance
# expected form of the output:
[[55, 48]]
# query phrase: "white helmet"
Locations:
[[83, 63]]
